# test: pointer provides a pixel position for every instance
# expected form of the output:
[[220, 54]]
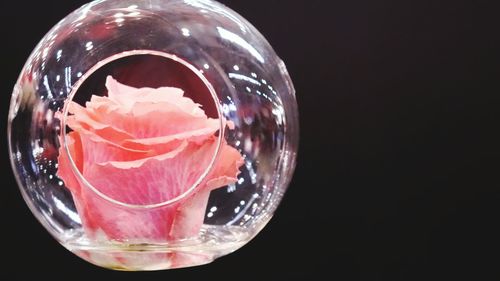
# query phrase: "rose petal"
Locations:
[[144, 146], [156, 124], [72, 182], [139, 113], [152, 180], [188, 217], [83, 119], [178, 221], [165, 144], [99, 215], [96, 150], [130, 97], [107, 120], [65, 171], [227, 168], [190, 214], [107, 143]]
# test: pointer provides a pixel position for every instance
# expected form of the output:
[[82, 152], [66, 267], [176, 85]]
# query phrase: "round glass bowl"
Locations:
[[154, 134]]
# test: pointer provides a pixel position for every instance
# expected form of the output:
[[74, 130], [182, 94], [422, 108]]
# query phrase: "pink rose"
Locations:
[[142, 147]]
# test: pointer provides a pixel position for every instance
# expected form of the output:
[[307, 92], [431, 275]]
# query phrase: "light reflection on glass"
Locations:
[[67, 76], [208, 5], [242, 212], [45, 52], [243, 77], [89, 46], [251, 172], [185, 32], [279, 113], [225, 109], [61, 206], [47, 86], [231, 188], [37, 151], [235, 38]]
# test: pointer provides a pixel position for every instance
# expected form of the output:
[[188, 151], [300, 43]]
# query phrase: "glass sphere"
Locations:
[[154, 134]]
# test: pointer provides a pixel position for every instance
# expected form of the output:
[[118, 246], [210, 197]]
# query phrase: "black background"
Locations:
[[397, 177]]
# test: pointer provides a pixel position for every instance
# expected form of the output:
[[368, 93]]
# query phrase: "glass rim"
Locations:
[[203, 175]]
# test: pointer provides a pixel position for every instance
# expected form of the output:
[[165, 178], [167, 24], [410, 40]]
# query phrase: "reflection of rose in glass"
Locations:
[[142, 147]]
